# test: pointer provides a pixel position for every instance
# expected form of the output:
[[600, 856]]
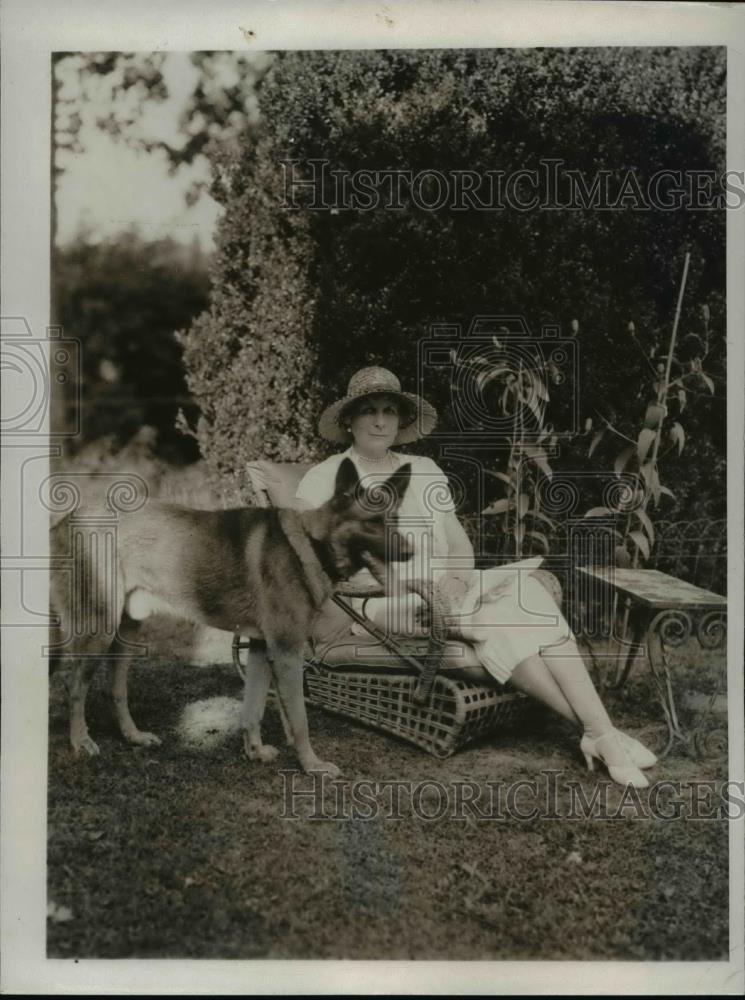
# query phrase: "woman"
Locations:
[[517, 630]]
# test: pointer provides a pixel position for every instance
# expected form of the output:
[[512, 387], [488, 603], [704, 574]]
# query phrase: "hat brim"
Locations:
[[425, 417]]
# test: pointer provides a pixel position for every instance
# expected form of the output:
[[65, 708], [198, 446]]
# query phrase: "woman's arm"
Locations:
[[460, 550], [459, 574], [399, 614], [317, 485], [301, 504]]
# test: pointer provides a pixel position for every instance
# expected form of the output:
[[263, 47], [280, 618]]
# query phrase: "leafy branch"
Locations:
[[672, 387], [523, 399]]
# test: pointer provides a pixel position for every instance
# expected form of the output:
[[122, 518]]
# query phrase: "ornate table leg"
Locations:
[[639, 622], [711, 632], [667, 629], [670, 629]]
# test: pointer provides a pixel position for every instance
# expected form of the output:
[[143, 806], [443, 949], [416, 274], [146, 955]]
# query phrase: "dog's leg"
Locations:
[[127, 725], [80, 679], [288, 672], [128, 630], [289, 736], [255, 689], [73, 642]]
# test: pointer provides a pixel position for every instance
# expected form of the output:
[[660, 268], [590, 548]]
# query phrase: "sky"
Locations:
[[108, 187]]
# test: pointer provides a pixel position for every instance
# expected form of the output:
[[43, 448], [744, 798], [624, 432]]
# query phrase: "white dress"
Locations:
[[506, 611]]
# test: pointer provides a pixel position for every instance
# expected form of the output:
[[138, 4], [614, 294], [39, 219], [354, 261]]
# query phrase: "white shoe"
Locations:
[[638, 753], [623, 771]]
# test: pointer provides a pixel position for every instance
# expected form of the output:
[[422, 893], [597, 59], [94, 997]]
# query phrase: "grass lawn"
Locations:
[[181, 851]]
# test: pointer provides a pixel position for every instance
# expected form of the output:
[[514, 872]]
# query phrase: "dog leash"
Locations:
[[426, 667]]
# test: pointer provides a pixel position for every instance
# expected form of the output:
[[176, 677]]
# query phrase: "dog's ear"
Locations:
[[346, 482], [398, 483]]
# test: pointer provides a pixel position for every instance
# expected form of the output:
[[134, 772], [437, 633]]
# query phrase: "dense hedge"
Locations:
[[301, 299]]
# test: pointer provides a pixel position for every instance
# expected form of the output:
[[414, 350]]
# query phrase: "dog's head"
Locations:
[[362, 529]]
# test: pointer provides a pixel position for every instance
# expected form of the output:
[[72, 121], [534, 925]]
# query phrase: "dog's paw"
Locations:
[[265, 753], [140, 739], [87, 744], [323, 766]]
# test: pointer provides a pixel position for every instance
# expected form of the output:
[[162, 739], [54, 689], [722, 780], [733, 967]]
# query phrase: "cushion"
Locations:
[[366, 655]]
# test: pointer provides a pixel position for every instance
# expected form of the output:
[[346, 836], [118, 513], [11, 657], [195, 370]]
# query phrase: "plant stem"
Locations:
[[662, 390], [513, 482], [519, 417], [663, 387]]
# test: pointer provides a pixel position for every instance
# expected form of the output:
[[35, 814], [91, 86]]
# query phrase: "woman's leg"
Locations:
[[569, 672], [332, 626], [564, 685], [555, 674], [533, 678], [622, 756]]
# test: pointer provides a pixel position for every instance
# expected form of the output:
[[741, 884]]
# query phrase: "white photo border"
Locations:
[[31, 31]]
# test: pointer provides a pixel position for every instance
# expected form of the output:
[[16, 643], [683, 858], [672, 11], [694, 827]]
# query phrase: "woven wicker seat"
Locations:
[[458, 711], [363, 680]]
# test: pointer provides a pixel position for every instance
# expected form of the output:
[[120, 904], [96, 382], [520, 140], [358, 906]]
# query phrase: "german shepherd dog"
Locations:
[[260, 573]]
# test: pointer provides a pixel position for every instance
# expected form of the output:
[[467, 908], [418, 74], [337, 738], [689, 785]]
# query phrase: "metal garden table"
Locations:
[[664, 612]]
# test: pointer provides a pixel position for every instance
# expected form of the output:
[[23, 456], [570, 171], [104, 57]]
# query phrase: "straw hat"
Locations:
[[418, 417]]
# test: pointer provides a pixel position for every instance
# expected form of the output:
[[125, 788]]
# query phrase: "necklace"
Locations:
[[373, 461]]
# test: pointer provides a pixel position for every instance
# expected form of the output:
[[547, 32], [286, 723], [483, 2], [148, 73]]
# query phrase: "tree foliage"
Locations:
[[303, 298], [122, 299], [218, 106]]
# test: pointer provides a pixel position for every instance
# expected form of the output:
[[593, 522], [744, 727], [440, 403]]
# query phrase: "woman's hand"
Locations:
[[454, 587], [456, 581], [398, 615]]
